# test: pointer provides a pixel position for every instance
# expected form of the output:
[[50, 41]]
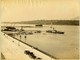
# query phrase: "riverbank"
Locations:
[[12, 48]]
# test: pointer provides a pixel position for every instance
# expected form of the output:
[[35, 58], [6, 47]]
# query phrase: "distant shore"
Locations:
[[48, 22]]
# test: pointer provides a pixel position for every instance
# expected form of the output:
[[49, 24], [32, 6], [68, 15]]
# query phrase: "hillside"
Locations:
[[48, 22]]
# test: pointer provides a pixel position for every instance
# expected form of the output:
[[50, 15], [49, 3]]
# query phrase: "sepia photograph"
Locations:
[[39, 29]]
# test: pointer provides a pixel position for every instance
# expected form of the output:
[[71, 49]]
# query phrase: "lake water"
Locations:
[[63, 46]]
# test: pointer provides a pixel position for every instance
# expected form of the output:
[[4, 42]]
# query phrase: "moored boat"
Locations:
[[54, 31]]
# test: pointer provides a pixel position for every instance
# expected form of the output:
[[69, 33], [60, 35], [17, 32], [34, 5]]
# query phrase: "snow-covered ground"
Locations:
[[14, 50]]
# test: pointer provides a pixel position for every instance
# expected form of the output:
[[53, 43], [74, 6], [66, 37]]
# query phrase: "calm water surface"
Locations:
[[58, 45]]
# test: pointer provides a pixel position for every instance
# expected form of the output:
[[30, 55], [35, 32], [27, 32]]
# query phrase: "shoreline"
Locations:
[[33, 47]]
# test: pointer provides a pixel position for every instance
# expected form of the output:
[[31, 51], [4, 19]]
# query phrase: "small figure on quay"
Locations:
[[20, 36], [18, 43], [25, 37]]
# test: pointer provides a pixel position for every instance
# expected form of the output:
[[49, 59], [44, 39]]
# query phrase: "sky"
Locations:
[[26, 10]]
